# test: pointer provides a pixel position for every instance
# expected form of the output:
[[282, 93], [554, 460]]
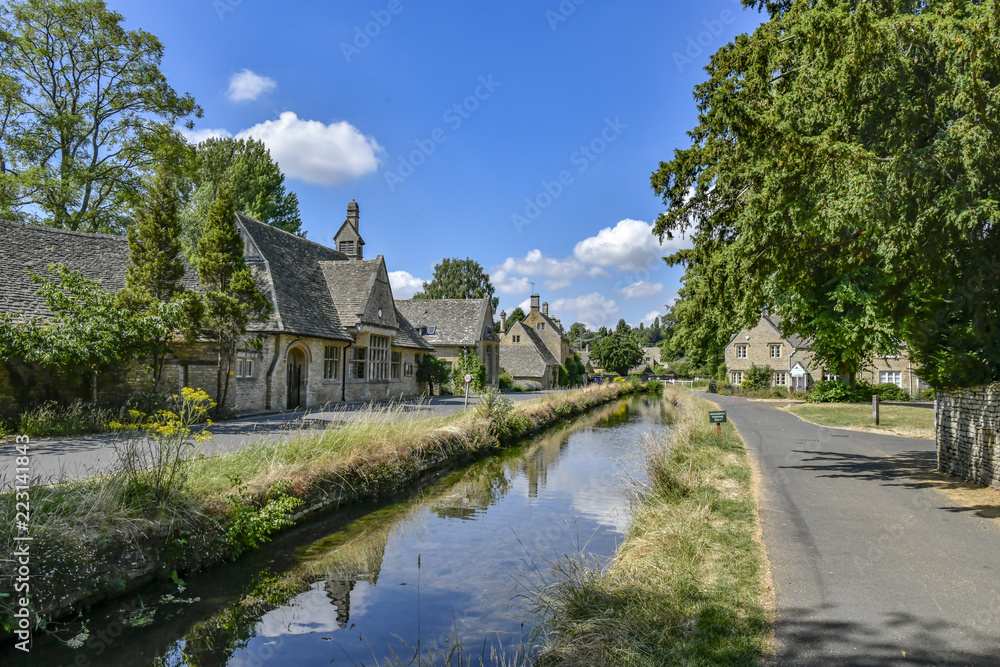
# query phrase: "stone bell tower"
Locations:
[[348, 239]]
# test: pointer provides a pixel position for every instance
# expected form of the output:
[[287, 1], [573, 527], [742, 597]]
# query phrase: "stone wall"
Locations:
[[967, 421]]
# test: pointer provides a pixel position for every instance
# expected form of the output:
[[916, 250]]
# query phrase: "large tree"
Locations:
[[618, 352], [232, 299], [844, 174], [256, 186], [84, 112], [456, 278]]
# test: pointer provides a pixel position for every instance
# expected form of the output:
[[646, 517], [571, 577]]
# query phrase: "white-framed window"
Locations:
[[737, 377], [891, 377], [540, 325], [356, 363], [396, 367], [775, 351], [378, 359], [830, 377], [741, 351], [245, 367], [331, 362], [408, 369], [779, 379]]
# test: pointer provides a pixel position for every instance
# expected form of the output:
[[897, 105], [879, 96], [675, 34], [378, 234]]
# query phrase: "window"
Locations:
[[379, 360], [741, 351], [540, 326], [408, 369], [779, 379], [244, 367], [356, 363], [427, 331], [397, 362], [831, 377], [891, 377], [737, 377], [331, 362], [776, 351], [517, 339], [347, 247]]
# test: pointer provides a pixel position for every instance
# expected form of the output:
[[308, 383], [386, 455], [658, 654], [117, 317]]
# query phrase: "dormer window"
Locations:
[[427, 331]]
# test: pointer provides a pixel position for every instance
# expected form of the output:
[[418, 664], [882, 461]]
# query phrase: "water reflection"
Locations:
[[443, 567]]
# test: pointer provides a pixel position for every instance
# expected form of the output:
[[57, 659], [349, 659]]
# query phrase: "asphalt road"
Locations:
[[876, 559], [77, 457]]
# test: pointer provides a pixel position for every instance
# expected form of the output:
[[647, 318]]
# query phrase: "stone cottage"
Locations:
[[527, 358], [791, 360], [549, 329], [453, 325]]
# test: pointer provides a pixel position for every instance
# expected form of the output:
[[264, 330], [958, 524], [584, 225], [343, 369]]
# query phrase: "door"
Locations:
[[296, 362]]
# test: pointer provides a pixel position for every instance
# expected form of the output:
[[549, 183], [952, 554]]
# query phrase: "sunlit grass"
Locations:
[[902, 420]]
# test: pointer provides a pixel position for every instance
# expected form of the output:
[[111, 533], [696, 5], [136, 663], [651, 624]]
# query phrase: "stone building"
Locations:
[[453, 325], [792, 361], [334, 334], [549, 329], [525, 356]]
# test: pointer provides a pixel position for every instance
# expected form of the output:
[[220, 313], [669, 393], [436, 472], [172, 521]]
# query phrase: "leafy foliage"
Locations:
[[843, 174], [432, 371], [468, 362], [256, 185], [618, 352], [254, 519], [84, 112], [831, 391], [757, 377], [456, 278], [516, 315]]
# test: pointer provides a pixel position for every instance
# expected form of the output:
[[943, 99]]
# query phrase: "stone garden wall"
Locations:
[[967, 422]]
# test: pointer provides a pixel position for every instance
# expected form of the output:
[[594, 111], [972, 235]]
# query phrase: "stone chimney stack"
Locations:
[[534, 303], [354, 215], [545, 308], [503, 321]]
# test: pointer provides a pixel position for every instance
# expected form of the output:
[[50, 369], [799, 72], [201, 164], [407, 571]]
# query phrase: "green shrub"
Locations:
[[830, 391], [506, 381], [928, 394], [255, 519], [52, 419], [468, 362], [654, 387], [890, 392], [757, 377]]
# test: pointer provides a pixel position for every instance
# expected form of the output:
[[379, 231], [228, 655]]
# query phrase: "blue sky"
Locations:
[[520, 134]]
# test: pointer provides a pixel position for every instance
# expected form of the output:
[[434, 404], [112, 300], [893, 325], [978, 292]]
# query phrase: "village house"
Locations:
[[334, 333], [792, 362], [525, 356], [454, 325], [549, 329]]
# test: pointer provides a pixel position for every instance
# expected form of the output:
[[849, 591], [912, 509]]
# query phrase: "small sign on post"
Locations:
[[468, 381], [875, 408], [717, 417]]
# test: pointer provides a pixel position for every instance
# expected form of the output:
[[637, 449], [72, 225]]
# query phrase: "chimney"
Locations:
[[503, 321], [354, 215], [545, 308], [534, 303]]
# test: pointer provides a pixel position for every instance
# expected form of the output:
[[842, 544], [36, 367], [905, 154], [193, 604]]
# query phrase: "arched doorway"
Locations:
[[295, 375]]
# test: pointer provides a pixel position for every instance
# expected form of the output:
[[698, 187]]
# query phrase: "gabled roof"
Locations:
[[794, 340], [349, 225], [24, 248], [408, 336], [291, 275], [455, 321], [526, 360], [351, 283]]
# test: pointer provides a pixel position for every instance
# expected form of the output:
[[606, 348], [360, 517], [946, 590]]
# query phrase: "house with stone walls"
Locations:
[[524, 354], [334, 333], [793, 365], [549, 329], [454, 325]]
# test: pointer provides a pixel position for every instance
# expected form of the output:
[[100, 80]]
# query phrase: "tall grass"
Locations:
[[687, 587]]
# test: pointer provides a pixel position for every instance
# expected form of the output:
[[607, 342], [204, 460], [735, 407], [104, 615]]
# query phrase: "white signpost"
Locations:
[[468, 381]]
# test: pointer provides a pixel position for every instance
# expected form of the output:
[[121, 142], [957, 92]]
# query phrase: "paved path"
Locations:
[[876, 559], [77, 457]]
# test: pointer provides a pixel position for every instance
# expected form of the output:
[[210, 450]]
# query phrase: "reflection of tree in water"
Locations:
[[355, 553]]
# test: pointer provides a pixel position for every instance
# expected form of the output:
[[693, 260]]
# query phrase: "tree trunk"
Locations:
[[218, 381], [93, 387]]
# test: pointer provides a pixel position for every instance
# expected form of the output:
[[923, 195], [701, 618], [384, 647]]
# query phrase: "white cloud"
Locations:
[[650, 316], [629, 245], [246, 86], [317, 153], [642, 290], [554, 285], [513, 275], [404, 284], [509, 284], [197, 136], [593, 309]]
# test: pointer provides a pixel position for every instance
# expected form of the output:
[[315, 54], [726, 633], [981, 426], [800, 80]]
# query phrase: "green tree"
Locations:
[[843, 175], [517, 315], [256, 185], [757, 377], [432, 371], [88, 332], [618, 352], [576, 332], [456, 278], [232, 299], [468, 362], [85, 112]]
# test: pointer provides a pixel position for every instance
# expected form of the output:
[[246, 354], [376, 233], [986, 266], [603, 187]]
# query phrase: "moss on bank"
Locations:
[[92, 541], [688, 586]]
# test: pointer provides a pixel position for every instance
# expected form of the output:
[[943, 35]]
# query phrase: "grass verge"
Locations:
[[689, 584], [100, 537], [901, 420]]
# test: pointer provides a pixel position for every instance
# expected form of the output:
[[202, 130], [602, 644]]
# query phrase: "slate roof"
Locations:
[[526, 360], [23, 248], [290, 273], [350, 283], [408, 336], [455, 321], [795, 340]]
